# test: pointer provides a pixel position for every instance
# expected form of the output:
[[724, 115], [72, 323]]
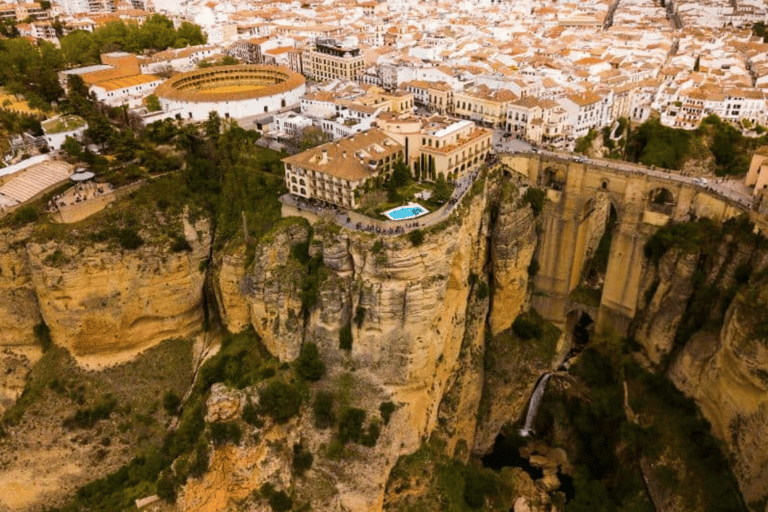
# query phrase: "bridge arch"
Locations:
[[553, 177], [661, 200]]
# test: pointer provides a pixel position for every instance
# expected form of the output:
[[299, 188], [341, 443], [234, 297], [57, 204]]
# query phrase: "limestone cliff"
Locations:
[[408, 308], [18, 304], [103, 303], [668, 289], [724, 369], [512, 248], [728, 377]]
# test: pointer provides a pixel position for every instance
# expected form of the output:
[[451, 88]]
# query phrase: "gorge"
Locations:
[[453, 332]]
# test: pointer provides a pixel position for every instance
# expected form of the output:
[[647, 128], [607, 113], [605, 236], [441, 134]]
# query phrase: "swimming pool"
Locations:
[[409, 211]]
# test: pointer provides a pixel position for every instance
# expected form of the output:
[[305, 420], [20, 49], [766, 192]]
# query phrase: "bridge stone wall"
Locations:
[[571, 225]]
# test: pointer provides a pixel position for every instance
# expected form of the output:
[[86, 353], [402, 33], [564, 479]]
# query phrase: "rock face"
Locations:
[[512, 247], [19, 312], [408, 310], [100, 302], [728, 377], [672, 288], [725, 371]]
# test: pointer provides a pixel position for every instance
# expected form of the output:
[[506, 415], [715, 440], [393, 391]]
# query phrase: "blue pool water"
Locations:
[[405, 212]]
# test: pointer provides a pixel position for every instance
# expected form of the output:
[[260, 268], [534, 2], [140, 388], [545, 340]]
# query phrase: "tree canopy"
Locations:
[[156, 33]]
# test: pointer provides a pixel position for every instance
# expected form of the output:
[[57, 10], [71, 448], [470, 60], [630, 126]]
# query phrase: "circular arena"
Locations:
[[232, 91]]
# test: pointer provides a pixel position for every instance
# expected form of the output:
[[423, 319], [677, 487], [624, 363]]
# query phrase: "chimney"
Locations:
[[344, 154], [324, 159]]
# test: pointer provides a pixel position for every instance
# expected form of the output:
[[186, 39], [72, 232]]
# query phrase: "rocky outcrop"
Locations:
[[100, 302], [512, 248], [407, 306], [668, 289], [727, 375], [19, 312]]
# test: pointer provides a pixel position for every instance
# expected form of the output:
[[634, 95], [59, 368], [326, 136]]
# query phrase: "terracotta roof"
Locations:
[[201, 85], [348, 158]]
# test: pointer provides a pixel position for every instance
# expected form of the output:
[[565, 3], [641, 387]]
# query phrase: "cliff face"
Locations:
[[102, 304], [18, 305], [725, 369], [512, 247], [408, 309], [668, 290], [727, 375]]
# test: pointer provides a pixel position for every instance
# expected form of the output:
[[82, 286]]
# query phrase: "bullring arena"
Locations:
[[232, 91]]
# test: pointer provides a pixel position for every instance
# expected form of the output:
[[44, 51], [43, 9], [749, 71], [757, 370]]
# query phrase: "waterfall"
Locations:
[[534, 405]]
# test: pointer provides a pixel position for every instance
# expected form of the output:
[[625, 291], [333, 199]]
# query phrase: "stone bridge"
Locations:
[[582, 198]]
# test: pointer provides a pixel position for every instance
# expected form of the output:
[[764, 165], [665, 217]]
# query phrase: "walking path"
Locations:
[[732, 189]]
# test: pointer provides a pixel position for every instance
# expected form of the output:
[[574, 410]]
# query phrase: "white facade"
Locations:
[[131, 95], [198, 111]]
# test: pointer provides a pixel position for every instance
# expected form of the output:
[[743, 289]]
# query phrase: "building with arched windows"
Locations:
[[231, 91]]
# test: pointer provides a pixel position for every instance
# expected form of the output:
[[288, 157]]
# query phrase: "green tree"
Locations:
[[351, 425], [308, 364], [442, 191], [213, 124], [189, 34], [322, 408], [72, 147], [280, 401], [153, 103], [401, 175], [80, 48], [100, 130]]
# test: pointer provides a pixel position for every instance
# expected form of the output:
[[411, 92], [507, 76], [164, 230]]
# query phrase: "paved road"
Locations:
[[509, 144], [733, 189]]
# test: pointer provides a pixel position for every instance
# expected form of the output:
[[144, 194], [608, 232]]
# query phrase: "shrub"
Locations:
[[171, 402], [378, 245], [535, 197], [280, 502], [87, 418], [386, 409], [345, 337], [225, 432], [26, 214], [372, 435], [323, 410], [482, 290], [302, 460], [166, 489], [180, 244], [251, 415], [351, 425], [308, 364], [280, 401], [129, 239], [416, 237], [43, 335], [359, 316], [526, 329]]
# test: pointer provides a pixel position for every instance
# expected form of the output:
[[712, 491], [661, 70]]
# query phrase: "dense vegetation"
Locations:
[[450, 485], [156, 33], [30, 69], [653, 144], [242, 361], [671, 436]]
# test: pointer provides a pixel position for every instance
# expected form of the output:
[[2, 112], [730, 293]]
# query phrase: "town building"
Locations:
[[438, 144], [332, 173], [329, 60]]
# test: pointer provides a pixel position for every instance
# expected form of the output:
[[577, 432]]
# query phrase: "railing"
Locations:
[[359, 222]]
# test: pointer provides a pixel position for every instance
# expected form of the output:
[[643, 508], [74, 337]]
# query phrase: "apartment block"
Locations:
[[328, 60], [333, 172]]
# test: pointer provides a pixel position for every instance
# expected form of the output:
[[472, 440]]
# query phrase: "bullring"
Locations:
[[232, 91]]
